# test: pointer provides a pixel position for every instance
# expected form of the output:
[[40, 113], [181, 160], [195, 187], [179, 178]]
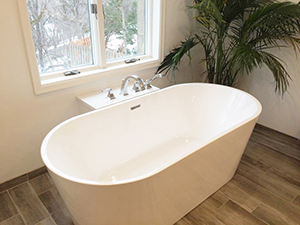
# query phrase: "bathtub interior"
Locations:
[[117, 144]]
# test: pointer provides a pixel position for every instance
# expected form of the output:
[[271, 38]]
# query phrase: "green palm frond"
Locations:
[[236, 36], [273, 25], [172, 60], [247, 58], [281, 17], [236, 9], [280, 74], [208, 10]]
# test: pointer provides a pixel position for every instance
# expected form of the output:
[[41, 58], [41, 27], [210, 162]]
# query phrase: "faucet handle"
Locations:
[[148, 85], [136, 86], [110, 95]]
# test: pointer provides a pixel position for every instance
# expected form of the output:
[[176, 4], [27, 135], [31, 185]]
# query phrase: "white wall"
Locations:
[[281, 113], [25, 119]]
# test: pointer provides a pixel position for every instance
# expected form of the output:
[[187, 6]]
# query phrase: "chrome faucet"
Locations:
[[139, 84], [148, 82]]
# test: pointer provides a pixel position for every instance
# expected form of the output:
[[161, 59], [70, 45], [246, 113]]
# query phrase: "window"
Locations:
[[93, 37]]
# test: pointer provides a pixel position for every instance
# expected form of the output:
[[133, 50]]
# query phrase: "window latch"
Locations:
[[72, 72], [133, 60], [94, 10]]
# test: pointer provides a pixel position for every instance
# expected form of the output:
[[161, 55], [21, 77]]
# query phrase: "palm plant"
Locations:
[[237, 36]]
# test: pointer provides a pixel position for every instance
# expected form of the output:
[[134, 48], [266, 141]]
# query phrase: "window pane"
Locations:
[[61, 33], [124, 23]]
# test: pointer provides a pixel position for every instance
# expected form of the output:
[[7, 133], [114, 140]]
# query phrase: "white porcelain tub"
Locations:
[[153, 164]]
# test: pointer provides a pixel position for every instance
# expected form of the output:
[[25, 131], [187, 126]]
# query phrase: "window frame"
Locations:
[[44, 83]]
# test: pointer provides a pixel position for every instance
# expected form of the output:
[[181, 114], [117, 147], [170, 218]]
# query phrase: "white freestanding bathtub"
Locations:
[[152, 159]]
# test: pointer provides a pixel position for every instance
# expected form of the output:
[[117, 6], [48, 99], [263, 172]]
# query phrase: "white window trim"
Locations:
[[89, 74]]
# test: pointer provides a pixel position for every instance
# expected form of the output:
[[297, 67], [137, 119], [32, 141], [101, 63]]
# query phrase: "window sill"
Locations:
[[63, 82]]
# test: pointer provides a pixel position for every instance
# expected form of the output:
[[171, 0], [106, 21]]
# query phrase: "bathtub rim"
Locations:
[[63, 175]]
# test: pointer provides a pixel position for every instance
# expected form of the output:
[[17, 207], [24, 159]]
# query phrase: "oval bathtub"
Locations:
[[152, 159]]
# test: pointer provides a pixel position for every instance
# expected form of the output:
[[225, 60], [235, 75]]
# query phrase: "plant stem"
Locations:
[[220, 55]]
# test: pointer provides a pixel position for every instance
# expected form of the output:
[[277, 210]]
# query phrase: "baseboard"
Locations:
[[23, 178]]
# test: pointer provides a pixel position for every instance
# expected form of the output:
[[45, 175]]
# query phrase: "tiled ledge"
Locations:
[[23, 178]]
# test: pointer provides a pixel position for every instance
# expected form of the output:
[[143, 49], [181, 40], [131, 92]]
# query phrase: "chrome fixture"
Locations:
[[148, 82], [138, 84], [110, 95]]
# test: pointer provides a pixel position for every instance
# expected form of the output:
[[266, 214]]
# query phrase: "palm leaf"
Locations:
[[208, 10], [236, 36], [172, 60], [280, 74]]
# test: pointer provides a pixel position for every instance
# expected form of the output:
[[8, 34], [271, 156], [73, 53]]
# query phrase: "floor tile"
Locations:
[[239, 215], [296, 201], [217, 199], [287, 168], [14, 182], [16, 220], [254, 165], [48, 221], [267, 197], [285, 159], [272, 216], [7, 208], [277, 145], [272, 184], [208, 213], [189, 219], [37, 173], [245, 200], [42, 183], [277, 136], [55, 206], [253, 153], [28, 204], [279, 178]]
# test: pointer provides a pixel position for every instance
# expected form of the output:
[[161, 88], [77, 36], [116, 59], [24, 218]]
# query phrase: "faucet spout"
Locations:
[[126, 80]]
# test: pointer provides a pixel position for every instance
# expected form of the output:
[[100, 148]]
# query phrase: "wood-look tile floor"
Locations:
[[264, 190]]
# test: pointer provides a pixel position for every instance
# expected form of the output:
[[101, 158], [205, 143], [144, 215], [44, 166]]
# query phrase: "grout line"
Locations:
[[267, 190], [278, 151], [37, 177], [258, 216], [289, 186], [9, 189], [221, 193], [27, 179], [256, 207], [259, 158], [11, 218], [265, 222], [39, 200], [294, 198], [46, 191], [51, 218], [27, 176], [267, 170], [224, 203], [19, 211], [284, 174], [53, 186], [247, 200], [45, 220]]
